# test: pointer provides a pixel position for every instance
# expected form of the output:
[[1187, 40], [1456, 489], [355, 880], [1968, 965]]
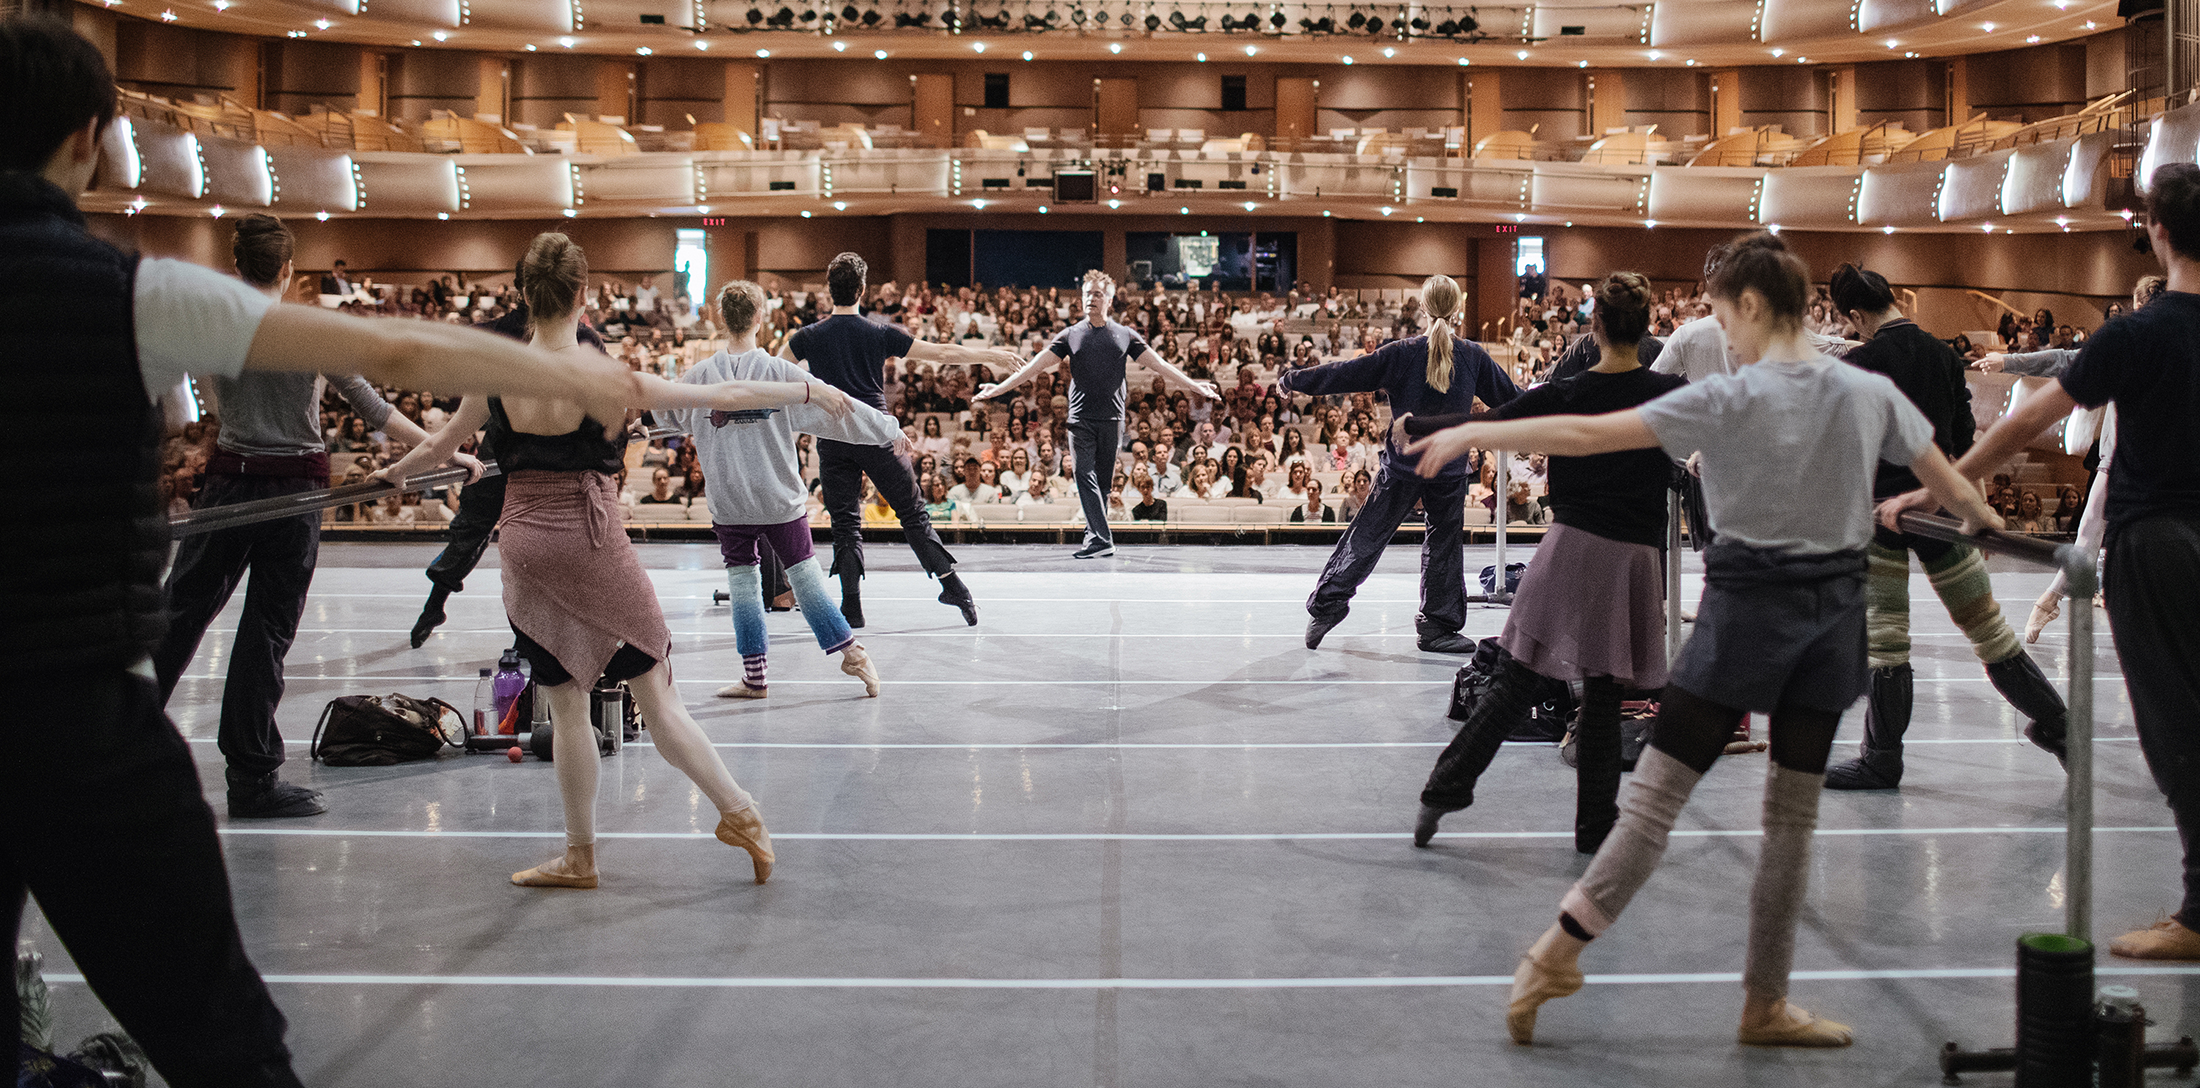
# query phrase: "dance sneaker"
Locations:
[[1319, 627], [266, 797], [1098, 549], [2167, 939]]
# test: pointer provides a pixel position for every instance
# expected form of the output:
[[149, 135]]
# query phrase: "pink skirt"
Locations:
[[571, 579], [1590, 606]]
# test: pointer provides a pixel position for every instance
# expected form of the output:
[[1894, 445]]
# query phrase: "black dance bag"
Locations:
[[1546, 721], [381, 730]]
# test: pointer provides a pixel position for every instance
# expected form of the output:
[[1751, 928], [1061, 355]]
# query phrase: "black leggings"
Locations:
[[1696, 731], [625, 665]]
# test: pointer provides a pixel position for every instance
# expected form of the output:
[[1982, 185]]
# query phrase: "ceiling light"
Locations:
[[978, 204], [1987, 27], [1202, 57], [1325, 213], [1522, 55], [1581, 64], [1774, 228], [220, 5], [1114, 204], [324, 24], [442, 215], [643, 51], [1910, 54], [1891, 43], [1691, 62], [1462, 62], [1115, 47], [1649, 224], [840, 205], [1250, 50], [1042, 209], [763, 52], [1027, 54], [2033, 39], [570, 213], [702, 43], [1183, 211], [977, 47], [878, 54], [301, 34], [530, 47], [1348, 60], [1389, 52], [168, 16], [1987, 227], [1778, 52], [1802, 60], [1655, 54], [2062, 5], [217, 211], [1886, 230], [322, 216], [702, 209], [1386, 210], [2126, 213], [805, 213], [568, 43], [1249, 205], [441, 36], [840, 47]]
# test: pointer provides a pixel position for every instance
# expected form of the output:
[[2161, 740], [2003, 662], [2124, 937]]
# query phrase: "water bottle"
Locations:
[[508, 684], [485, 716]]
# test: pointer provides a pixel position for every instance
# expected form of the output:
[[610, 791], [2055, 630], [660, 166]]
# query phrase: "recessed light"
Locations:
[[442, 215], [1581, 64], [840, 47], [1042, 209], [978, 204], [1691, 62], [1521, 55], [221, 5], [1115, 47], [1348, 60], [322, 216], [1774, 228], [702, 209], [324, 24], [1655, 54], [1249, 205], [1027, 54], [1891, 43], [217, 211], [1325, 213], [763, 52], [805, 213], [878, 54], [301, 34], [2089, 24], [1778, 52], [1462, 62], [1650, 224], [1386, 209], [1183, 211], [643, 51], [1886, 230], [1251, 49], [840, 205], [566, 42], [1987, 227], [977, 47], [1802, 60], [1389, 52], [570, 213], [702, 43], [441, 36], [1987, 27], [1114, 204], [1201, 57]]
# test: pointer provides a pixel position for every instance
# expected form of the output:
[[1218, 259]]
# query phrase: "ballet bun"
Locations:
[[262, 245], [552, 276], [1623, 307]]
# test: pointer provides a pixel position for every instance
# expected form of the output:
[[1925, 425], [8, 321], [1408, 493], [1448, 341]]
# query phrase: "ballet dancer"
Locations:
[[2146, 363], [270, 444], [1788, 444], [757, 494], [579, 603], [1435, 374], [1591, 610], [1096, 352], [1929, 372], [484, 499], [849, 353], [104, 820]]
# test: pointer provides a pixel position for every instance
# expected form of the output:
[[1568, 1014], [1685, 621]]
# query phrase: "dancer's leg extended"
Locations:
[[1451, 783], [479, 507], [897, 484], [1959, 577], [684, 745]]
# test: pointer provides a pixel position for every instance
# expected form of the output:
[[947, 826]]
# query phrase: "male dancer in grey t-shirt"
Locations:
[[1097, 352]]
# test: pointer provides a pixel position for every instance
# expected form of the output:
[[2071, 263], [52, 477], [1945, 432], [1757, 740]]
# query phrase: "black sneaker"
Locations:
[[1448, 642], [270, 798], [1098, 549]]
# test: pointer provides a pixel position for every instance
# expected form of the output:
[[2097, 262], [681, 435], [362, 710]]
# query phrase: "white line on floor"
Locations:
[[965, 633], [1223, 745], [1337, 983], [377, 678], [1098, 836]]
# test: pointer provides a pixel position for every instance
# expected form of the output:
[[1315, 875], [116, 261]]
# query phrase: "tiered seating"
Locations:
[[598, 137], [446, 131], [1855, 147]]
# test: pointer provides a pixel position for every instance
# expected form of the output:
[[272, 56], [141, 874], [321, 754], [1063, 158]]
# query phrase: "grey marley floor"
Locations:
[[1126, 832]]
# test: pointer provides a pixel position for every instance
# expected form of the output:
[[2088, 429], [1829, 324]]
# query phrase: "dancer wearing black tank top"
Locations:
[[849, 353]]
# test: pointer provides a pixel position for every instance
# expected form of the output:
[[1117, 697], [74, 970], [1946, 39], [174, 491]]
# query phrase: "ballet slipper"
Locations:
[[858, 664], [2044, 612], [1786, 1025], [577, 869], [1744, 747], [741, 690], [745, 829], [1535, 982]]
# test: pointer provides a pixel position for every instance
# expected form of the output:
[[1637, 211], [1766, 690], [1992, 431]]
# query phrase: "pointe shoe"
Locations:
[[1534, 984], [2044, 612], [1788, 1025], [544, 876], [741, 690], [2167, 939], [745, 829], [858, 664]]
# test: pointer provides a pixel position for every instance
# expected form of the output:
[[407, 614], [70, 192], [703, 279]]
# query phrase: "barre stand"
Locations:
[[231, 515], [2063, 1039], [1500, 595]]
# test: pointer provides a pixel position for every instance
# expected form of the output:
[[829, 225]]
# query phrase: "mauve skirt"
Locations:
[[571, 580], [1590, 606]]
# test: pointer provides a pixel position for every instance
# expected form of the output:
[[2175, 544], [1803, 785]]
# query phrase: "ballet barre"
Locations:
[[231, 515], [2082, 579]]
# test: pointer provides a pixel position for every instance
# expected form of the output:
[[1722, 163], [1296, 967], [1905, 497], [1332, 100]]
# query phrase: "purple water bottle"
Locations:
[[509, 683]]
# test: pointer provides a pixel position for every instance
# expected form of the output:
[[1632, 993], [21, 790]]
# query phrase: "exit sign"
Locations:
[[714, 222], [1505, 228]]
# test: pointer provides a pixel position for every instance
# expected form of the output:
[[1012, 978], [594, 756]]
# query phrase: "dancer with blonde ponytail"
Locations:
[[1432, 375], [579, 603]]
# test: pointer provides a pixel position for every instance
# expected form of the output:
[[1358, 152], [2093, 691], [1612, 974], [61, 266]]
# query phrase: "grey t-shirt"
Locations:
[[749, 457], [1097, 358], [1790, 448], [278, 413]]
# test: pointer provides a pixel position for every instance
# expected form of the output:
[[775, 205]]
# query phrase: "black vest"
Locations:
[[80, 572]]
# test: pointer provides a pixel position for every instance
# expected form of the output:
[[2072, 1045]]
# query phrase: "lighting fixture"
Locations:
[[1987, 27], [566, 42], [643, 51], [1250, 50], [1387, 209], [322, 216], [1115, 47], [1779, 52], [1389, 52], [840, 47], [1249, 205], [1802, 60], [701, 43], [2089, 24], [977, 47], [1886, 230], [1657, 54], [1521, 55], [1042, 209], [1114, 204], [1987, 227], [763, 53], [168, 16], [878, 54], [1691, 62], [1891, 43], [1201, 57], [441, 36], [1348, 60], [1581, 64], [840, 205], [301, 34], [1650, 224], [530, 47], [570, 213], [1462, 62], [442, 215], [702, 209], [221, 5], [978, 204], [324, 24], [1325, 213], [1183, 211], [1027, 54], [805, 213], [2033, 39], [1912, 54]]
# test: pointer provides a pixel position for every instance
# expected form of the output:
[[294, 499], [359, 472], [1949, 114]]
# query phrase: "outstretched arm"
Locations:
[[735, 396], [1559, 436], [472, 414], [1169, 371], [926, 351], [1023, 374], [2043, 409], [1959, 495]]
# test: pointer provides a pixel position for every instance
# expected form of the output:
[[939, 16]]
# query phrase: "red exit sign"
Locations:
[[714, 222], [1501, 228]]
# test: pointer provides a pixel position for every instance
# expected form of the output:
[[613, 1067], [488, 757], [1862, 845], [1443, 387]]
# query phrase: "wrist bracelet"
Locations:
[[805, 392]]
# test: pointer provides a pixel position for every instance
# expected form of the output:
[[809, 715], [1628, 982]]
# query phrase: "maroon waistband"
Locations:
[[310, 465]]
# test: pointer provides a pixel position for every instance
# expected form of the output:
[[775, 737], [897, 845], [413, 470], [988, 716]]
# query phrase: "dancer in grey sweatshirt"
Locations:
[[756, 493]]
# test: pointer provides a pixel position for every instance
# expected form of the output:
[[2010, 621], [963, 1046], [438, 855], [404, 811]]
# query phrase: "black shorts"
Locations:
[[625, 665]]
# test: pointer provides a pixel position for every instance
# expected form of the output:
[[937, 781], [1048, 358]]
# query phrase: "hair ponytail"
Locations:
[[1440, 299]]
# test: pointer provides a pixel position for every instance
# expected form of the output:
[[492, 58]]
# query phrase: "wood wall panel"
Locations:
[[1296, 101], [932, 112]]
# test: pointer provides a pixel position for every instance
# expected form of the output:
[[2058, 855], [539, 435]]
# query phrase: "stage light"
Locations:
[[756, 15], [1153, 22]]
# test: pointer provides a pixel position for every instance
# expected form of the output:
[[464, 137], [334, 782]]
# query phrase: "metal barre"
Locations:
[[2081, 577], [232, 515]]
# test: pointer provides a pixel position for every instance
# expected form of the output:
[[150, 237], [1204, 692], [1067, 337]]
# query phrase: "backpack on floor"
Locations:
[[1513, 571], [1546, 721], [1637, 717], [381, 730]]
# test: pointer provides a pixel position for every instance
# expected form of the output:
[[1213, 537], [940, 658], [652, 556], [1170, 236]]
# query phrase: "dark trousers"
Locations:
[[1092, 445], [841, 466], [105, 825], [479, 507], [1443, 564], [2153, 584], [280, 555]]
